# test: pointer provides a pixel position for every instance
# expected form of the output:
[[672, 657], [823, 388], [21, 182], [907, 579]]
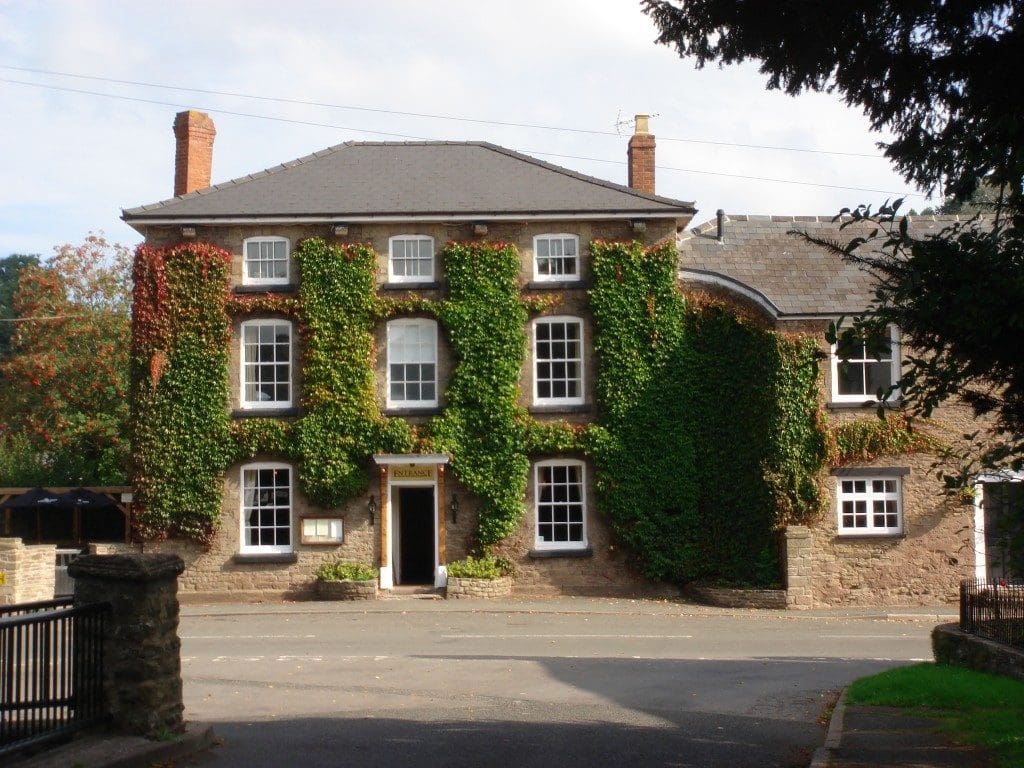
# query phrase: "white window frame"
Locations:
[[393, 278], [252, 549], [247, 280], [409, 322], [578, 400], [867, 397], [869, 497], [567, 277], [537, 468], [265, 404]]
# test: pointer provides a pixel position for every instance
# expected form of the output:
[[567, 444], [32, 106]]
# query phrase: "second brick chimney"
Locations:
[[193, 156], [641, 157]]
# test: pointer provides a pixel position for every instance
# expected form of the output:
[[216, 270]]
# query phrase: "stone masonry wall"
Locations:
[[141, 649], [216, 571], [921, 566], [459, 588], [27, 572]]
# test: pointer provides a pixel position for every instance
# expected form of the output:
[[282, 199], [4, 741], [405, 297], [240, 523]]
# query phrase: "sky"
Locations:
[[70, 161]]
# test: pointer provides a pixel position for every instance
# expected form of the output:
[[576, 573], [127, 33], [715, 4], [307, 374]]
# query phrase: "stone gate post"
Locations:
[[141, 651]]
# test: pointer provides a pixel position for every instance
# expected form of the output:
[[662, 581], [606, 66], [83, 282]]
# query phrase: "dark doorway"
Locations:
[[1004, 530], [416, 535]]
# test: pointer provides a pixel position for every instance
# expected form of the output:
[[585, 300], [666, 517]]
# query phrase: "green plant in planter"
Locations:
[[342, 571], [484, 567]]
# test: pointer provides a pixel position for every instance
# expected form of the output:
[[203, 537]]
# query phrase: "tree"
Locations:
[[10, 272], [65, 379], [938, 76]]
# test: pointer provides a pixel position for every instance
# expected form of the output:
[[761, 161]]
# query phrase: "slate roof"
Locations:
[[373, 179], [794, 276]]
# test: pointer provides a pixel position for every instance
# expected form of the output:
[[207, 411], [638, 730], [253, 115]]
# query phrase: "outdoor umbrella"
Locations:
[[86, 499], [27, 523], [36, 497], [99, 517]]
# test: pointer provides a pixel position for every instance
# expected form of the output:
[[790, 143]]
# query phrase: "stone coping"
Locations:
[[128, 567], [953, 646]]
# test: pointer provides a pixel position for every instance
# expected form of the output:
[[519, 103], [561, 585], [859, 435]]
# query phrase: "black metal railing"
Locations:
[[51, 671], [994, 610]]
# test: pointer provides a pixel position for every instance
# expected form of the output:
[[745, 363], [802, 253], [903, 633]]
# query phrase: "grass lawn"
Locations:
[[975, 707]]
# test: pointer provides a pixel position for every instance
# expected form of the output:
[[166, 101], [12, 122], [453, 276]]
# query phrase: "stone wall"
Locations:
[[736, 598], [799, 567], [459, 588], [141, 649], [921, 566], [956, 648], [27, 572]]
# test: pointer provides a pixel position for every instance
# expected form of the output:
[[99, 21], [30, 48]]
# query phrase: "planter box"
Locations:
[[459, 588], [347, 590]]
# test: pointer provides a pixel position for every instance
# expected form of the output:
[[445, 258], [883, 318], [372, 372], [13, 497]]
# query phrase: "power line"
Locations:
[[333, 126], [428, 115]]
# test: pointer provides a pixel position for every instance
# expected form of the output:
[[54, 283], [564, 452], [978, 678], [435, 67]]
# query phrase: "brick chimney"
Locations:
[[193, 156], [641, 157]]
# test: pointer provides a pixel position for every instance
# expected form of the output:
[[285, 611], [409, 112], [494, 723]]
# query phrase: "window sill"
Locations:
[[424, 286], [555, 285], [268, 288], [264, 413], [861, 537], [544, 554], [554, 409], [433, 410], [860, 405], [269, 558]]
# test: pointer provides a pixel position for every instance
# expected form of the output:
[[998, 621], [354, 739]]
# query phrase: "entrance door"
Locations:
[[416, 547], [1004, 530]]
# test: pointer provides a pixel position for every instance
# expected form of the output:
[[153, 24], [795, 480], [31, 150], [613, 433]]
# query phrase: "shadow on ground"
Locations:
[[456, 711]]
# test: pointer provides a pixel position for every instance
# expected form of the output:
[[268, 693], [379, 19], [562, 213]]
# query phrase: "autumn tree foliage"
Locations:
[[64, 381]]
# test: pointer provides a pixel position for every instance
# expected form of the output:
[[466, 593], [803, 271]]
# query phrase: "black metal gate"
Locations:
[[51, 671]]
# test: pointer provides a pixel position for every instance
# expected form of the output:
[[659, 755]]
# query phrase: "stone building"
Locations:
[[407, 200], [889, 536]]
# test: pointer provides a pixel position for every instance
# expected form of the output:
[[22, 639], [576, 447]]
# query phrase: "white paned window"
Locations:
[[265, 261], [412, 363], [870, 506], [266, 364], [559, 487], [556, 257], [860, 369], [266, 508], [558, 361], [411, 259]]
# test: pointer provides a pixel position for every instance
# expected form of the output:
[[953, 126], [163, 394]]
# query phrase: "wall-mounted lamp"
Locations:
[[371, 505], [341, 230], [454, 508], [639, 225], [479, 228], [188, 231]]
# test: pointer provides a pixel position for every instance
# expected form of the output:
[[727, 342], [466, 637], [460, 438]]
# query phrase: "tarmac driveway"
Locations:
[[570, 682]]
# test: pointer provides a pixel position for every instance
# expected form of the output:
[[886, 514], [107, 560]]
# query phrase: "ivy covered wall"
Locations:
[[708, 435]]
